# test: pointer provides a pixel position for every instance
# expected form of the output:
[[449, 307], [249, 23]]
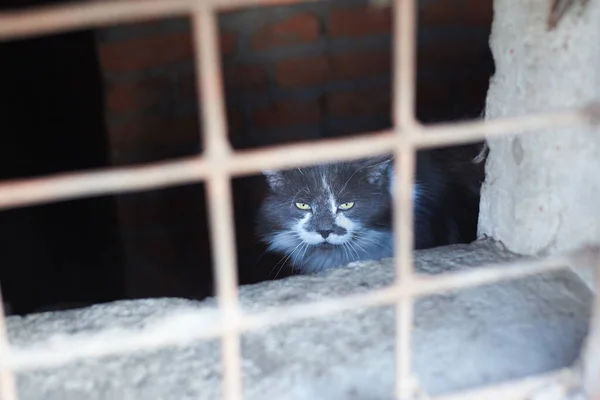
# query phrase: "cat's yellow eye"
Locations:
[[346, 206], [303, 206]]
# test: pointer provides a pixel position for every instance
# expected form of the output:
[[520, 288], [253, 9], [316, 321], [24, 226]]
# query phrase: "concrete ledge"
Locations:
[[461, 339]]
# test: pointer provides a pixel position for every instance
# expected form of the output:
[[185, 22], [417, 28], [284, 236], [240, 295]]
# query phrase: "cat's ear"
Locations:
[[274, 179], [378, 169]]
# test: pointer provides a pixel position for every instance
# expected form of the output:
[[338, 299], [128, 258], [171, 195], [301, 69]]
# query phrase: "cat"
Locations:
[[328, 215]]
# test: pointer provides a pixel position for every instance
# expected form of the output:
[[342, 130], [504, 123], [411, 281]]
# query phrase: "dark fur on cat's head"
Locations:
[[325, 216]]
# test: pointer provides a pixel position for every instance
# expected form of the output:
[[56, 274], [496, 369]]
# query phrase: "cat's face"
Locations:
[[328, 214]]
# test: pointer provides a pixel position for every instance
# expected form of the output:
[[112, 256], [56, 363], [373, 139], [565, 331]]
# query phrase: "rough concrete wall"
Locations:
[[461, 338], [542, 189]]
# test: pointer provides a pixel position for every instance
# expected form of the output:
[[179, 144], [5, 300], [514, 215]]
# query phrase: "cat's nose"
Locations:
[[324, 233]]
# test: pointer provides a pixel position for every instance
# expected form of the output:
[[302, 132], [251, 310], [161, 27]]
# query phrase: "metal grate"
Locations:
[[220, 163]]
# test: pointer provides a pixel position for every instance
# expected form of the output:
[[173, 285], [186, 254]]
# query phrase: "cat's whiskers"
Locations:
[[351, 247], [363, 249], [295, 254], [345, 250], [304, 252], [369, 240], [353, 255], [261, 256], [284, 259]]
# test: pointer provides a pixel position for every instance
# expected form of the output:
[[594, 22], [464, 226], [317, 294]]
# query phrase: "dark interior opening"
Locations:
[[53, 120]]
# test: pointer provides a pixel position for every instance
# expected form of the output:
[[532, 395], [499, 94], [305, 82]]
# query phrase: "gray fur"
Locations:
[[326, 237], [445, 207]]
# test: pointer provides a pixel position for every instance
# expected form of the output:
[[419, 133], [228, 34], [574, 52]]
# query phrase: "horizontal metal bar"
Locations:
[[522, 389], [85, 15], [223, 5], [486, 275], [65, 186], [197, 325], [45, 20], [455, 133], [21, 192]]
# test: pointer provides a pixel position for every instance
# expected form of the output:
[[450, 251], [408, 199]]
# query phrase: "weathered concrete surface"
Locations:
[[461, 339], [542, 188]]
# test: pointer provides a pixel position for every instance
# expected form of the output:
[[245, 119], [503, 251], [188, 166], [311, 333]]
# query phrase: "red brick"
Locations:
[[228, 42], [441, 12], [479, 12], [286, 113], [302, 72], [360, 102], [300, 28], [127, 97], [153, 131], [359, 64], [245, 77], [146, 52], [360, 21], [235, 119], [143, 94]]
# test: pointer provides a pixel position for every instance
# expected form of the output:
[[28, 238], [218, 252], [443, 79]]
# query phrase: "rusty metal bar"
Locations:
[[403, 262], [220, 204], [22, 192], [226, 5], [43, 20], [220, 208], [404, 22], [209, 84], [8, 386], [591, 351], [521, 389], [85, 15], [455, 133], [129, 341], [57, 187], [219, 164], [405, 41]]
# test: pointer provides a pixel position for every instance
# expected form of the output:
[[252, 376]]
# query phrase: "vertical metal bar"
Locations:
[[403, 247], [223, 248], [209, 81], [8, 387], [591, 352], [404, 168], [220, 205], [405, 24], [404, 119]]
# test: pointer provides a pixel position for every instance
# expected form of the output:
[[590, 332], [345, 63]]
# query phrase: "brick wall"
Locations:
[[294, 72]]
